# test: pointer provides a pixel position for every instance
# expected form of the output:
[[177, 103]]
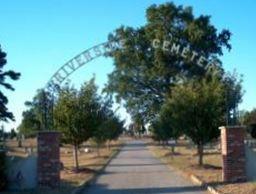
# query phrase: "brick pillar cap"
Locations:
[[233, 127]]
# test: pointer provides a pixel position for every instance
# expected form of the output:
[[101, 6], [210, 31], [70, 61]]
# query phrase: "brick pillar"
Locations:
[[48, 162], [233, 153]]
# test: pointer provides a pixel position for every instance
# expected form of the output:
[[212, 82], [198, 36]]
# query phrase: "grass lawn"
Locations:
[[185, 160]]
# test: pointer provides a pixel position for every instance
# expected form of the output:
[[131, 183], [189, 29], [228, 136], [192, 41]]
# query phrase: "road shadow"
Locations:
[[101, 188], [142, 164]]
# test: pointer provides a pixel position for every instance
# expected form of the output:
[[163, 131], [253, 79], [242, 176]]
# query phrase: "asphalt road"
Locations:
[[135, 170]]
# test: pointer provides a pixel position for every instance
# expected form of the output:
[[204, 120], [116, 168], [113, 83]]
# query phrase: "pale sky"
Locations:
[[40, 36]]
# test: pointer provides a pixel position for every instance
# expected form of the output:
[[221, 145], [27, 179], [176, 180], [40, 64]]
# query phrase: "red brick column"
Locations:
[[48, 162], [233, 153]]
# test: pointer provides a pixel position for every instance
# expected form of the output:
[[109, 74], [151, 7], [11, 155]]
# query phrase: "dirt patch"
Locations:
[[238, 188], [185, 160]]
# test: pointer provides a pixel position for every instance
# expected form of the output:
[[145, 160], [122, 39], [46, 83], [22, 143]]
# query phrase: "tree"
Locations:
[[89, 107], [38, 117], [75, 115], [233, 96], [250, 117], [109, 126], [196, 107], [5, 114], [110, 129], [2, 137], [41, 106], [250, 121], [138, 124], [144, 81], [160, 131], [114, 127], [13, 134], [162, 128], [29, 124], [66, 116]]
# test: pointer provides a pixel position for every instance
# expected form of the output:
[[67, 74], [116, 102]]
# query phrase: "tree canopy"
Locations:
[[196, 109], [169, 72], [37, 117], [83, 114], [75, 115], [5, 114], [143, 75]]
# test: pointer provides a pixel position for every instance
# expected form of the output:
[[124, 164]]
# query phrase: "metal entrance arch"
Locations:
[[54, 84], [80, 60]]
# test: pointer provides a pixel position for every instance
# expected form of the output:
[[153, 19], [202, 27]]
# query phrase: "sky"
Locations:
[[39, 36]]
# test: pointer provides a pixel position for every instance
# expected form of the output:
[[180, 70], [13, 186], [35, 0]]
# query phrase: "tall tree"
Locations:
[[5, 114], [41, 105], [138, 124], [114, 128], [38, 117], [162, 128], [75, 115], [233, 96], [29, 124], [2, 137], [196, 108], [161, 131], [143, 75], [66, 117], [249, 119], [13, 134], [109, 125]]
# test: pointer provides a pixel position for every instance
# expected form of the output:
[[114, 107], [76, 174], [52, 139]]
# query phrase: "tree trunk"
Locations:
[[163, 143], [98, 150], [75, 158], [108, 143], [200, 151], [19, 143], [173, 148], [173, 144]]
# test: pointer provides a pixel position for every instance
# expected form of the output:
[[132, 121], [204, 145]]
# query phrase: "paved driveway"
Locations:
[[136, 170]]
